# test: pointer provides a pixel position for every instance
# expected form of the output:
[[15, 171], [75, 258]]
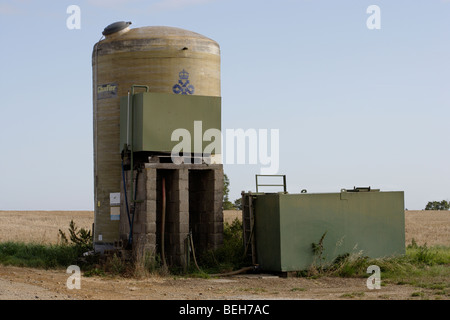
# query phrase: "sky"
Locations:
[[353, 106]]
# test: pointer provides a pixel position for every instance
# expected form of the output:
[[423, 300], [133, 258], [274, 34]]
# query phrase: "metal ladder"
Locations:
[[248, 226], [248, 216]]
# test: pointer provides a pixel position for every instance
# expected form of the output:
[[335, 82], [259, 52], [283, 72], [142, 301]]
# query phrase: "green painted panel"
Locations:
[[158, 115], [267, 231], [370, 223]]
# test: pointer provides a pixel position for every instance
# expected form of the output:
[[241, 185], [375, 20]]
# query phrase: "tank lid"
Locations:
[[115, 27]]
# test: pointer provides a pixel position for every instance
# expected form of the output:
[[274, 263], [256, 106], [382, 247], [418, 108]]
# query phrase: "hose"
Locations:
[[193, 253], [226, 274], [126, 202], [133, 207], [232, 273]]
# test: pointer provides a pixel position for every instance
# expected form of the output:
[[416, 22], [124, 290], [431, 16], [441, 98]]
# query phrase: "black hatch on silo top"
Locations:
[[115, 27]]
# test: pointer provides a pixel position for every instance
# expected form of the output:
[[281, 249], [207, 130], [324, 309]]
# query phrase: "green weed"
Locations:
[[38, 255]]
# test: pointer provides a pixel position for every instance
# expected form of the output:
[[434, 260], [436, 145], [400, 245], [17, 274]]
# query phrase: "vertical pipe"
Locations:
[[128, 120], [163, 220], [132, 136]]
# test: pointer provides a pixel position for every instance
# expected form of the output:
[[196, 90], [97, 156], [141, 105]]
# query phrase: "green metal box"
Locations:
[[286, 226], [157, 115]]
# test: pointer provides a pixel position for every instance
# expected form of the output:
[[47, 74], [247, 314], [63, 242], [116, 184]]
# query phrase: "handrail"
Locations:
[[271, 185]]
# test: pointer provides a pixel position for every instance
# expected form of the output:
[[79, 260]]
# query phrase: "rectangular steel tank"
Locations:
[[286, 225], [158, 115]]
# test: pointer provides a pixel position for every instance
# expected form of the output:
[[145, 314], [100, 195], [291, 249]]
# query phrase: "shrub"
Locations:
[[230, 255], [80, 238]]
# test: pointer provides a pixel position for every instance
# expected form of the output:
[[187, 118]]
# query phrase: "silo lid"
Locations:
[[115, 27]]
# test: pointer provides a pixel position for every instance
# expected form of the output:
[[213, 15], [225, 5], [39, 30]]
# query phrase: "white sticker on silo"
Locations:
[[114, 199], [100, 237]]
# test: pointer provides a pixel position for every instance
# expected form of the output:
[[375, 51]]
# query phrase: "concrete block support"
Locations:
[[194, 194]]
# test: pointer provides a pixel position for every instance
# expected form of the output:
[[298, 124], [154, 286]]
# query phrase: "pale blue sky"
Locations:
[[355, 107]]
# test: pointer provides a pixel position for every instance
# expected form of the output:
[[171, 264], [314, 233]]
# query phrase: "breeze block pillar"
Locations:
[[194, 196]]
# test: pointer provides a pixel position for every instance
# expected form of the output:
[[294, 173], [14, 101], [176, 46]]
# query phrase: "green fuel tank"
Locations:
[[286, 226]]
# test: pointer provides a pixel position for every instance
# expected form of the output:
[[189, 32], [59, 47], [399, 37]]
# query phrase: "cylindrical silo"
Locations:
[[167, 60]]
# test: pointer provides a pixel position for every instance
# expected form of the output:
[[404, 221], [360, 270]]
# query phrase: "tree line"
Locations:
[[436, 205]]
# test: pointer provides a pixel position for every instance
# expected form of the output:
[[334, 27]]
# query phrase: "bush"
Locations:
[[82, 238], [230, 256]]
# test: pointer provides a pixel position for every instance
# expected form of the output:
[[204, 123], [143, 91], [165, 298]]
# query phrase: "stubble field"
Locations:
[[430, 227]]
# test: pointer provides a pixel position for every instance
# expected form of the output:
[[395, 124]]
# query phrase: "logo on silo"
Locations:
[[106, 91], [183, 86]]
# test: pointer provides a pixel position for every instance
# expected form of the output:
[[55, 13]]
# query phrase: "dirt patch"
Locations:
[[24, 283]]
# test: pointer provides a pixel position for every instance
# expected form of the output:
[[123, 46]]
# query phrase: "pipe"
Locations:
[[128, 118], [233, 273], [163, 221], [133, 207], [193, 252], [132, 136], [125, 193]]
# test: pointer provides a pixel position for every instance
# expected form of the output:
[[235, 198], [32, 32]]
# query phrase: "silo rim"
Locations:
[[160, 32]]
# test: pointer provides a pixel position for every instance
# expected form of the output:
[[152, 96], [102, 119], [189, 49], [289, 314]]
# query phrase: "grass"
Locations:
[[353, 295], [230, 256], [67, 252], [422, 266], [38, 255]]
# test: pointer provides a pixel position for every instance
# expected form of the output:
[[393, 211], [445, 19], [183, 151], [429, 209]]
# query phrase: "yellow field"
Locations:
[[230, 215], [40, 226], [430, 227]]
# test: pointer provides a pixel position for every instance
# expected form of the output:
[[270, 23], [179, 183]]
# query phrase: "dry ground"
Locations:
[[432, 228], [25, 283]]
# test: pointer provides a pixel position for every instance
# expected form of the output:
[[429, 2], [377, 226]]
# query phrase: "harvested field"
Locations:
[[230, 215], [430, 227], [427, 227], [40, 226]]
